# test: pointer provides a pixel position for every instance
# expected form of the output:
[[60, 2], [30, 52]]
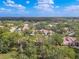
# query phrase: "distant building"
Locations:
[[1, 26], [46, 32], [69, 40], [18, 30], [50, 25], [25, 27], [66, 28], [10, 24], [71, 33], [13, 29], [33, 32]]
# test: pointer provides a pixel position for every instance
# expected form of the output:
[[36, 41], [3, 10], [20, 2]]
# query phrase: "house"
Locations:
[[18, 29], [25, 27], [66, 29], [50, 25], [72, 33], [46, 32], [33, 32], [10, 24], [69, 40], [1, 26], [12, 29]]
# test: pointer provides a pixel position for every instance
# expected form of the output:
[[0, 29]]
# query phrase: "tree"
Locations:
[[5, 42]]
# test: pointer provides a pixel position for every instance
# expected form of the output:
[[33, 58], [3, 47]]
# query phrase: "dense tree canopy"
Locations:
[[34, 44]]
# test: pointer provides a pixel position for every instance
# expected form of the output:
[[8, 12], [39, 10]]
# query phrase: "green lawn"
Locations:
[[7, 56]]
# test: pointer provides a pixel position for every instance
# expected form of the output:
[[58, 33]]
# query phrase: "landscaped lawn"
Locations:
[[7, 55]]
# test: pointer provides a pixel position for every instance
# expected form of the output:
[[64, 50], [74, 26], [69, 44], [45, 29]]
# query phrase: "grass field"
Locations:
[[7, 55]]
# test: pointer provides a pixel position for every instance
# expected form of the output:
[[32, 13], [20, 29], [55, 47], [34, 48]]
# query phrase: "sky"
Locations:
[[39, 8]]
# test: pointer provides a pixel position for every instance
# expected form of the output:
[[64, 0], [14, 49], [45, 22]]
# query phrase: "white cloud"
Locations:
[[45, 5], [46, 1], [72, 8], [57, 6], [77, 0], [4, 10], [11, 3], [27, 2]]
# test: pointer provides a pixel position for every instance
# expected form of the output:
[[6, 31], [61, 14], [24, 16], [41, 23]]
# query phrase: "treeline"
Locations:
[[39, 18]]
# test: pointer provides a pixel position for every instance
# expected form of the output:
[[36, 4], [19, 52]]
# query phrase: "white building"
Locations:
[[50, 25], [25, 27], [13, 29], [1, 26]]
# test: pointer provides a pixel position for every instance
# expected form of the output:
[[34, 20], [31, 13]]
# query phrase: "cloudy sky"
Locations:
[[39, 8]]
